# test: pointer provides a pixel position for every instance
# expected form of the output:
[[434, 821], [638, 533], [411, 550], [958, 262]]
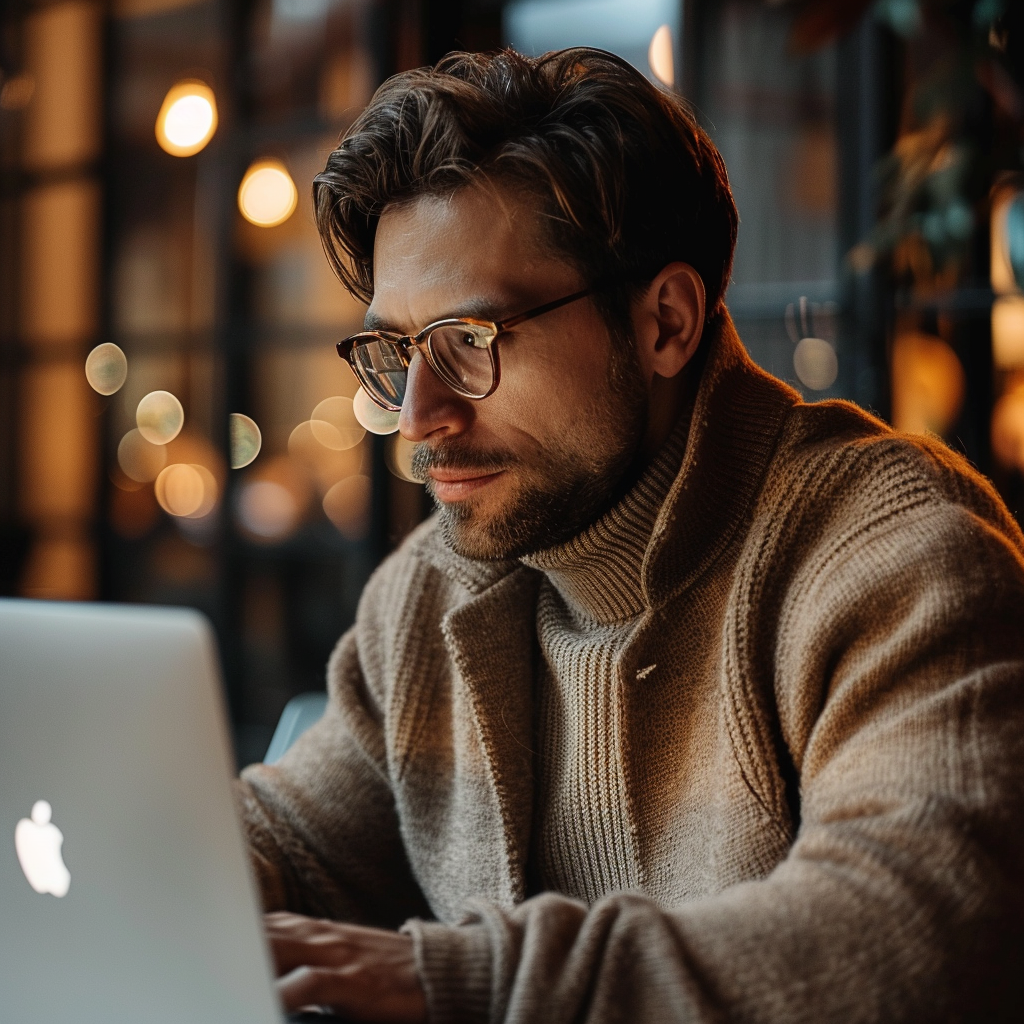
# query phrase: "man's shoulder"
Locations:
[[841, 465]]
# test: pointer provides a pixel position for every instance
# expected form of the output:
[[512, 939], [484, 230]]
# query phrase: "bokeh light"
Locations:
[[927, 384], [1008, 428], [211, 492], [1008, 331], [267, 196], [180, 489], [272, 501], [140, 460], [160, 417], [347, 505], [324, 465], [398, 456], [659, 56], [187, 118], [371, 416], [334, 424], [815, 363], [106, 368], [194, 450], [246, 439], [267, 509]]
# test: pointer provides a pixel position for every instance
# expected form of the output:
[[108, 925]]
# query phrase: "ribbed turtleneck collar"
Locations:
[[598, 573]]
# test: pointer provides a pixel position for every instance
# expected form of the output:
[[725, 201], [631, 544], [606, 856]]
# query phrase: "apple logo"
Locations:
[[38, 842]]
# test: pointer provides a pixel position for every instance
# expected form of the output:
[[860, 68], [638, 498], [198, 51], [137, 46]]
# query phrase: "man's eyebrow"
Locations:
[[484, 308], [373, 322], [481, 308]]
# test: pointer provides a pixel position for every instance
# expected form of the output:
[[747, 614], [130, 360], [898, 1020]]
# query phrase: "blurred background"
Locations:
[[175, 424]]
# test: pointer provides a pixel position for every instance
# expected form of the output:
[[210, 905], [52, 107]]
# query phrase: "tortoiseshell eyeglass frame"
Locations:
[[407, 344]]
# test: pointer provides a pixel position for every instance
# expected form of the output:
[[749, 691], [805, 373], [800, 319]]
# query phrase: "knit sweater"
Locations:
[[821, 731], [590, 601]]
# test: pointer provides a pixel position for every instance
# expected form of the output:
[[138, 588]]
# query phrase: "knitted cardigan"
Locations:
[[822, 732]]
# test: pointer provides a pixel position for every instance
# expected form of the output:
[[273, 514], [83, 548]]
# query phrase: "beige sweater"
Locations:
[[590, 603], [822, 740]]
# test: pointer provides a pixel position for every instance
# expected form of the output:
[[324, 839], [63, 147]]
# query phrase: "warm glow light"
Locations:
[[334, 424], [160, 417], [1008, 429], [347, 505], [815, 362], [210, 492], [139, 459], [326, 465], [106, 368], [187, 118], [659, 56], [927, 384], [272, 500], [246, 439], [267, 195], [1008, 331], [371, 416], [267, 509], [180, 489]]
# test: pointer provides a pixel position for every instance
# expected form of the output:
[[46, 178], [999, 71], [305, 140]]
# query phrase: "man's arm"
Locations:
[[321, 823]]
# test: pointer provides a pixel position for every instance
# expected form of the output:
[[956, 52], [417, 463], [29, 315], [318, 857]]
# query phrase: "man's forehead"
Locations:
[[470, 230], [475, 252]]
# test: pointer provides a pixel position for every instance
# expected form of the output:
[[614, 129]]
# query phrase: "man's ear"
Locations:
[[668, 320]]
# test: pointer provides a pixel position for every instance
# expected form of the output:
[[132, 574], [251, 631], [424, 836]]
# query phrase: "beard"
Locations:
[[565, 485]]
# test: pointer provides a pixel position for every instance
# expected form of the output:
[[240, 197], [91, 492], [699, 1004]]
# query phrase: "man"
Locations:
[[693, 702]]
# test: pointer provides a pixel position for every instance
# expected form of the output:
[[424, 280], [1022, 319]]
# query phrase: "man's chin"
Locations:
[[525, 522], [472, 535]]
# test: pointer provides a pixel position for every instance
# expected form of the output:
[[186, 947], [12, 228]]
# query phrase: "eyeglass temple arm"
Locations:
[[409, 341], [539, 310]]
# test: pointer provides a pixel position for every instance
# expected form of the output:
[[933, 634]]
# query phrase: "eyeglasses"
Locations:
[[461, 351]]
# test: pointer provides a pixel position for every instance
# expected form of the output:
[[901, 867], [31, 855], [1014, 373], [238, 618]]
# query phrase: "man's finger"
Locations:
[[296, 940], [312, 986], [355, 992]]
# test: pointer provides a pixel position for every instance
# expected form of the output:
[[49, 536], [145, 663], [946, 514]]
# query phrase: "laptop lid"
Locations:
[[125, 888]]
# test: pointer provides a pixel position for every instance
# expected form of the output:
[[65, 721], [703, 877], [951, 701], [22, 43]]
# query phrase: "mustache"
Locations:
[[457, 455]]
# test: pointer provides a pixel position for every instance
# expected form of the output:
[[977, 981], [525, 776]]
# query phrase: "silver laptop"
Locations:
[[125, 889]]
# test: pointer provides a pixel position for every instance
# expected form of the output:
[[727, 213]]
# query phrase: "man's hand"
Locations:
[[365, 973]]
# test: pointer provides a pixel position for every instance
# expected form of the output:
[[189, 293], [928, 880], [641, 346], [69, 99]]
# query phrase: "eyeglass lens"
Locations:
[[458, 352], [461, 356], [381, 370]]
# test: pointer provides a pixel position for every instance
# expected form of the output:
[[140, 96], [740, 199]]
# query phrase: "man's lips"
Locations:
[[456, 484]]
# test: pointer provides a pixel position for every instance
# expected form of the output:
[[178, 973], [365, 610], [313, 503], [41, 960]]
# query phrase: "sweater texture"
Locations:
[[815, 713], [590, 601]]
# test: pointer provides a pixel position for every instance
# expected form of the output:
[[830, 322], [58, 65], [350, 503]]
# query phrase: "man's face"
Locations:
[[544, 455]]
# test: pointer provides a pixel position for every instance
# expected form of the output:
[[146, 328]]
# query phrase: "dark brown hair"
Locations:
[[628, 180]]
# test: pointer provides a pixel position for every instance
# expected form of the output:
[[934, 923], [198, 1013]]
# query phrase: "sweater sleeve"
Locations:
[[897, 663], [321, 824]]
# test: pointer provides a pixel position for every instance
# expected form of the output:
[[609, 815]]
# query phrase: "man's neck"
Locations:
[[671, 399], [671, 402]]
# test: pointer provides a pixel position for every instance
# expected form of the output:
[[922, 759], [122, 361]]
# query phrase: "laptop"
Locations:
[[126, 893]]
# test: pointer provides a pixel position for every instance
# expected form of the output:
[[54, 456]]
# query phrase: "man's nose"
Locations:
[[430, 408]]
